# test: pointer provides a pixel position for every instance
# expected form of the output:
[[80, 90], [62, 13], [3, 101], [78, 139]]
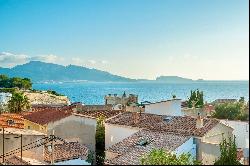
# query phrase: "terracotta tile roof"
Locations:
[[16, 118], [95, 114], [129, 152], [96, 107], [67, 151], [177, 124], [45, 115], [14, 160]]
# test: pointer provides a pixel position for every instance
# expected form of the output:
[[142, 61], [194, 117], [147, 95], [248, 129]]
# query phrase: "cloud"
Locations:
[[92, 62], [9, 59], [104, 62], [47, 58]]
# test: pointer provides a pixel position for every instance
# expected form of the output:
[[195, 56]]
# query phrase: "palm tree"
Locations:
[[18, 103]]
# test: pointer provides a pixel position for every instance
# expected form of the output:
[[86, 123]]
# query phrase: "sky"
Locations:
[[206, 39]]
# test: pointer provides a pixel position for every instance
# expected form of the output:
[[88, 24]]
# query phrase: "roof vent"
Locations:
[[167, 119], [143, 142], [10, 122]]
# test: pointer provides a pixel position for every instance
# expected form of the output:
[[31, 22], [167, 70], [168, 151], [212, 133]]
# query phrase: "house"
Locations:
[[41, 117], [166, 107], [207, 133], [130, 150]]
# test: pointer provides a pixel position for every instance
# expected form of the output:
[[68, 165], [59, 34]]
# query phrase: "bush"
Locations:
[[228, 152], [231, 111], [161, 157]]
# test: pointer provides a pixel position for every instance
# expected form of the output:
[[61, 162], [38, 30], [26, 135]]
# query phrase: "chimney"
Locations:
[[199, 121], [136, 117]]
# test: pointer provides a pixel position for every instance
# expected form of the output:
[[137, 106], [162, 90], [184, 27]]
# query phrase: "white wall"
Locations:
[[170, 107], [5, 97], [241, 131], [115, 134], [187, 147]]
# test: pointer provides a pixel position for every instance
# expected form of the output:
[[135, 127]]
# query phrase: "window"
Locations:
[[28, 127]]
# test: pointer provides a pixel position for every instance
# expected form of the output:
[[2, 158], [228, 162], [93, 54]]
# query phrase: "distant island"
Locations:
[[41, 72]]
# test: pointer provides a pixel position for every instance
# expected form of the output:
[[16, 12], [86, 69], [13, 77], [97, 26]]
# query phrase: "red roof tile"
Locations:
[[95, 114], [45, 115], [177, 124]]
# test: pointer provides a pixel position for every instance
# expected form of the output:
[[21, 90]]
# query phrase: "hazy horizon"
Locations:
[[140, 39]]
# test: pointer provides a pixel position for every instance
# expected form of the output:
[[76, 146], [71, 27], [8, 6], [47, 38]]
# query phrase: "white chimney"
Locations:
[[199, 121]]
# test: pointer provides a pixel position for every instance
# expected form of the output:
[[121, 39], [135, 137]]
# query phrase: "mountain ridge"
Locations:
[[40, 72]]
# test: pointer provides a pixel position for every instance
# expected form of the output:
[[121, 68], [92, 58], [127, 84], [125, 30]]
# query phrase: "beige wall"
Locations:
[[75, 128], [14, 143], [209, 152], [193, 111], [215, 134], [116, 133], [208, 146]]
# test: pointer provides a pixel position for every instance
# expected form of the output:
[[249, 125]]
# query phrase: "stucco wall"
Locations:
[[34, 126], [115, 134], [187, 147], [193, 112], [14, 143], [209, 153], [171, 107], [215, 134], [75, 128], [241, 131]]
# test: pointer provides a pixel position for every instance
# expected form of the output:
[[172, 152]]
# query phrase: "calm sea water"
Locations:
[[93, 93]]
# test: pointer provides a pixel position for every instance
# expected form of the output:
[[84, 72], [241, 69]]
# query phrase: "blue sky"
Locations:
[[134, 38]]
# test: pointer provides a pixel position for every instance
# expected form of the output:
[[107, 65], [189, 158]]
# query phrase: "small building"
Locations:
[[113, 99], [207, 132], [166, 107]]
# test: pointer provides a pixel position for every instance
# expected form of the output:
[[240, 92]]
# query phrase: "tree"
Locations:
[[196, 99], [162, 157], [18, 103], [228, 150], [21, 83], [100, 141], [242, 100]]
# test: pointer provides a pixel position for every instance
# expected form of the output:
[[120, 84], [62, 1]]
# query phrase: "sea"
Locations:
[[94, 92]]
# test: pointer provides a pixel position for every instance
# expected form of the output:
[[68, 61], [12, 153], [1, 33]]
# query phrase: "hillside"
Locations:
[[40, 72]]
